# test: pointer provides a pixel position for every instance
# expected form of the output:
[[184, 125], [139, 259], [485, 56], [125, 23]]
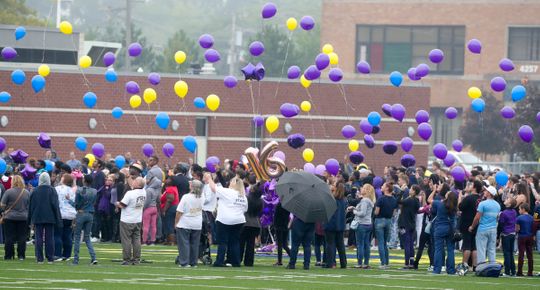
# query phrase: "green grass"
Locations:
[[163, 274]]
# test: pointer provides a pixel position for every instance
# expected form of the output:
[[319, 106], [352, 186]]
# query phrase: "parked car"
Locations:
[[469, 161]]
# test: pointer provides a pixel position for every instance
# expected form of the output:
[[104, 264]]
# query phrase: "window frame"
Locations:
[[532, 30]]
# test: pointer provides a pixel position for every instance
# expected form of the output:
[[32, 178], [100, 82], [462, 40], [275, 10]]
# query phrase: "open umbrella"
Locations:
[[306, 196]]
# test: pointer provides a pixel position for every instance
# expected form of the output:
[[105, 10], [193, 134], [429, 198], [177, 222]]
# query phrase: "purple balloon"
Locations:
[[424, 131], [406, 144], [457, 145], [508, 112], [356, 157], [309, 167], [206, 41], [366, 127], [8, 53], [332, 166], [458, 173], [422, 70], [256, 48], [28, 172], [230, 82], [212, 55], [320, 169], [348, 131], [398, 112], [249, 71], [132, 87], [279, 155], [451, 113], [408, 160], [449, 160], [312, 73], [154, 78], [363, 67], [2, 144], [387, 110], [538, 117], [134, 49], [474, 46], [506, 64], [98, 149], [211, 163], [322, 61], [422, 117], [168, 150], [526, 133], [109, 58], [376, 130], [258, 121], [440, 151], [498, 84], [289, 110], [269, 10], [412, 74], [293, 72], [335, 74], [436, 55], [259, 71], [390, 147], [18, 156], [369, 141], [44, 140], [148, 149], [296, 140], [307, 22]]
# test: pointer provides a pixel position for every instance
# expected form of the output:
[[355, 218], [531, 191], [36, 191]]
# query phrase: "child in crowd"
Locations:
[[507, 220], [524, 227]]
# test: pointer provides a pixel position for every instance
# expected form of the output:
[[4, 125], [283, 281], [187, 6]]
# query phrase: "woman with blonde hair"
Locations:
[[364, 225], [15, 205]]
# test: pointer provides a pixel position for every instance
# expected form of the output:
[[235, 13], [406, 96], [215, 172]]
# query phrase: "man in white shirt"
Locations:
[[130, 222]]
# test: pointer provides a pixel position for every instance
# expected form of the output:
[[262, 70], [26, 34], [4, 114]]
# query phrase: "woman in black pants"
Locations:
[[281, 221], [252, 227], [333, 230]]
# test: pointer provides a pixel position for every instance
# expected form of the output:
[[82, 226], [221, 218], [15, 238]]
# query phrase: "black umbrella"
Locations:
[[306, 196]]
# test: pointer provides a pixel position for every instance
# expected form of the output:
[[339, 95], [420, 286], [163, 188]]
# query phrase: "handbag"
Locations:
[[11, 207], [429, 224], [354, 224]]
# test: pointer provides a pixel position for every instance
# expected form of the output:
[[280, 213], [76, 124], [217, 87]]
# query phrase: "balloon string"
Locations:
[[320, 119], [252, 97], [45, 31], [284, 62]]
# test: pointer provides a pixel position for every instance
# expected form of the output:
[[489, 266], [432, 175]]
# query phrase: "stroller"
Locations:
[[204, 246]]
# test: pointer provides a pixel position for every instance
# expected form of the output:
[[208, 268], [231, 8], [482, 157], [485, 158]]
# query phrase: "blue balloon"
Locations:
[[20, 32], [374, 118], [478, 105], [501, 178], [111, 76], [4, 97], [162, 120], [117, 112], [3, 166], [396, 78], [38, 83], [18, 77], [120, 161], [190, 144], [199, 103], [81, 143], [518, 93], [90, 99], [49, 166]]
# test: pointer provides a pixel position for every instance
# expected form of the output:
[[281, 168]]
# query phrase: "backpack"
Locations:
[[489, 270]]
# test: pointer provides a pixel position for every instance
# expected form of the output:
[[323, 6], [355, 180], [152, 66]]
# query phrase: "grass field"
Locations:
[[163, 274]]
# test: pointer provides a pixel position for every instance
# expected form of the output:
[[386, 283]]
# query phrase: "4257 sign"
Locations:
[[528, 68]]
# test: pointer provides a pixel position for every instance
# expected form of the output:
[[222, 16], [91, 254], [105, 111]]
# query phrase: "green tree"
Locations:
[[16, 12], [179, 41], [526, 111], [307, 46]]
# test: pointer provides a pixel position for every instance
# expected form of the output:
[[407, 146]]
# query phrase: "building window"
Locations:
[[524, 43], [256, 136], [27, 55], [444, 130], [200, 126], [388, 48]]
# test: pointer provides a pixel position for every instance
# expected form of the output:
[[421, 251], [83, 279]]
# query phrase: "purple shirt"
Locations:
[[508, 221]]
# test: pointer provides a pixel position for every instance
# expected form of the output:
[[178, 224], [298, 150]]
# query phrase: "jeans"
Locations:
[[538, 241], [44, 235], [486, 245], [425, 239], [383, 228], [334, 240], [318, 243], [130, 234], [525, 245], [440, 242], [83, 222], [63, 240], [281, 238], [149, 224], [408, 237], [363, 244], [508, 252], [96, 224], [302, 233], [228, 239], [394, 234], [188, 246], [168, 222], [115, 226], [247, 244], [15, 232]]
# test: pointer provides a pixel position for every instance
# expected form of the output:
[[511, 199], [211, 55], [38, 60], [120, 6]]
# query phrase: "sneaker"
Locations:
[[126, 263], [75, 263], [136, 262], [59, 259], [318, 264], [94, 262], [193, 266], [383, 267], [280, 264], [50, 262], [40, 263], [228, 265], [306, 267], [66, 259], [358, 267], [443, 269], [94, 240], [430, 269], [367, 267], [184, 266], [21, 259], [290, 267]]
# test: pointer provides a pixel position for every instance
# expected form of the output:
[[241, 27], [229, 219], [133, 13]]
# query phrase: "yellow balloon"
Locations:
[[212, 102], [66, 28], [305, 106], [149, 95], [308, 155], [272, 124], [305, 83], [85, 61], [292, 23], [181, 89], [474, 93], [180, 57], [91, 158], [327, 48], [44, 70], [353, 145], [135, 101], [334, 59]]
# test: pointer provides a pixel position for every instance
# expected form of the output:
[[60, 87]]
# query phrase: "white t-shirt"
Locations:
[[134, 201], [191, 209], [231, 206], [67, 211], [210, 200]]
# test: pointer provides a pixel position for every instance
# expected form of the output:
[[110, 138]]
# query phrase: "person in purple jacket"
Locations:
[[507, 220], [524, 227]]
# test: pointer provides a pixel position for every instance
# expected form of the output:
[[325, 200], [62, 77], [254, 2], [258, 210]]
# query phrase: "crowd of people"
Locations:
[[413, 209]]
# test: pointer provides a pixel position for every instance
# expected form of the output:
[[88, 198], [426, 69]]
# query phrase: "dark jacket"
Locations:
[[281, 218], [337, 221], [182, 184], [43, 208], [444, 221]]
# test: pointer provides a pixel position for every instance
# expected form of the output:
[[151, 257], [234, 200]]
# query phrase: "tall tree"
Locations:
[[179, 41], [16, 12], [526, 111]]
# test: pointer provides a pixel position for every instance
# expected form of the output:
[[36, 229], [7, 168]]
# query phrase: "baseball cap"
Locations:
[[491, 190], [364, 171]]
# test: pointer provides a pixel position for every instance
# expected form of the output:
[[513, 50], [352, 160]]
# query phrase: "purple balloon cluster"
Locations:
[[253, 72]]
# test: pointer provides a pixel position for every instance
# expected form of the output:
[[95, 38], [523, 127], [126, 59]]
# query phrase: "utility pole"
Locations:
[[232, 48], [128, 33]]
